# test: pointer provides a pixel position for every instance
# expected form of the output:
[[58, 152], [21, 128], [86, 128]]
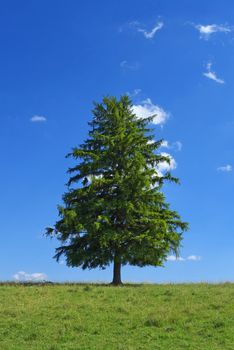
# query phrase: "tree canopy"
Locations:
[[114, 210]]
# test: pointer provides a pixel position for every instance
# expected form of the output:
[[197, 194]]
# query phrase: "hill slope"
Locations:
[[72, 317]]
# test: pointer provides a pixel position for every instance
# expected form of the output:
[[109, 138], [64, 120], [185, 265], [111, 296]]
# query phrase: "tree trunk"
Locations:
[[117, 272]]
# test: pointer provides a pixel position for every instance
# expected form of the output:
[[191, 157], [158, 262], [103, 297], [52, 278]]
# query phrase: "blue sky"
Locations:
[[175, 57]]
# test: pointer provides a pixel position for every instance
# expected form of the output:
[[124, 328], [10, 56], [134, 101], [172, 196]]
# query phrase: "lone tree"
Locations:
[[114, 210]]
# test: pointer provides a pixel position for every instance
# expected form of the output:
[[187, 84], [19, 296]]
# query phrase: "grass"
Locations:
[[76, 316]]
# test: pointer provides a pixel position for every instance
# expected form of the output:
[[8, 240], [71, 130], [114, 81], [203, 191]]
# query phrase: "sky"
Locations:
[[173, 58]]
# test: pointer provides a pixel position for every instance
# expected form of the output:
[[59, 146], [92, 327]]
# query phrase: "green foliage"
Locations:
[[115, 208], [95, 317]]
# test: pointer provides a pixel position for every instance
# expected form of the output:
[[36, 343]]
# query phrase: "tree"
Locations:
[[114, 210]]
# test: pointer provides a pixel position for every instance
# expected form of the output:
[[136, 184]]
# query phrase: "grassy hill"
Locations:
[[72, 317]]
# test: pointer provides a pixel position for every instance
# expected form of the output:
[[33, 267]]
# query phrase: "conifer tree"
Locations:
[[114, 210]]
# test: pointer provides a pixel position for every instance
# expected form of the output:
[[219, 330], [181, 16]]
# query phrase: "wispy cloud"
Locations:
[[177, 145], [129, 65], [188, 258], [148, 109], [225, 168], [134, 93], [207, 30], [150, 34], [38, 119], [31, 277], [212, 75]]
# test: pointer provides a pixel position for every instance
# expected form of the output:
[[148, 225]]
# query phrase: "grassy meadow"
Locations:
[[80, 316]]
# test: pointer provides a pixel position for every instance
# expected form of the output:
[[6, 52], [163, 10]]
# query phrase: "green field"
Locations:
[[76, 316]]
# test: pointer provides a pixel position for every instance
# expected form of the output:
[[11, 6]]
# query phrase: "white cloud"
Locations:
[[131, 66], [212, 75], [148, 109], [165, 144], [177, 145], [164, 167], [22, 276], [150, 142], [194, 258], [189, 258], [207, 30], [151, 34], [174, 258], [225, 168], [38, 119]]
